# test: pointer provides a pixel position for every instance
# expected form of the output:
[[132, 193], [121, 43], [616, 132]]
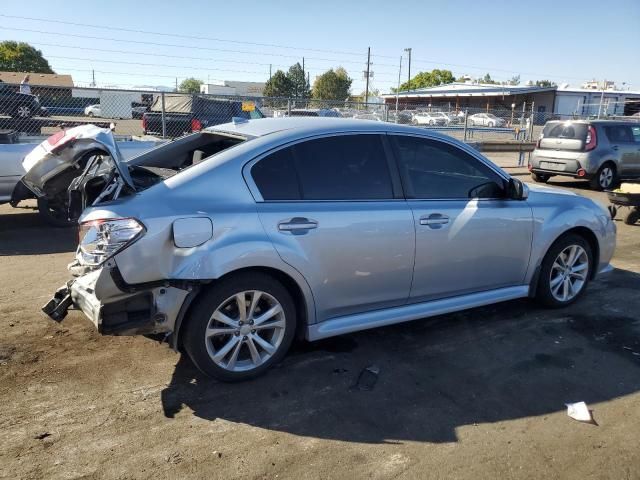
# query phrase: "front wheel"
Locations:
[[23, 112], [632, 217], [241, 327], [565, 271]]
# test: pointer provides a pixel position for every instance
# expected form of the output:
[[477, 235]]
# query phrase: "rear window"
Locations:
[[571, 131]]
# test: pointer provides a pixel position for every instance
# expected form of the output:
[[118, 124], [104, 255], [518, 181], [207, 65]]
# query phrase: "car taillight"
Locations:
[[196, 125], [59, 140], [144, 122], [592, 139], [101, 239]]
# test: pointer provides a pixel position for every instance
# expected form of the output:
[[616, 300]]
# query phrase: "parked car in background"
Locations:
[[18, 105], [368, 116], [93, 110], [293, 227], [601, 151], [486, 120], [315, 112], [428, 118], [191, 113]]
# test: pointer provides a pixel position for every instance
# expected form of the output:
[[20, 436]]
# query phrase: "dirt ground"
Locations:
[[478, 394]]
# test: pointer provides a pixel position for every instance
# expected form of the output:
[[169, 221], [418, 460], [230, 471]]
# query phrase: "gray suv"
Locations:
[[315, 227], [601, 151]]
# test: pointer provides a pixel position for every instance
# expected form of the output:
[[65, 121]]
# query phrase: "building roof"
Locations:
[[598, 91], [38, 79], [471, 90]]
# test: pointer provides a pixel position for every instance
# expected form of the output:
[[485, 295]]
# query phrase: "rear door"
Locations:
[[469, 236], [622, 142], [333, 209]]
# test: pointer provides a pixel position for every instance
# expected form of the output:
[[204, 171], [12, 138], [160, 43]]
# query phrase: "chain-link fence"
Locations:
[[137, 113]]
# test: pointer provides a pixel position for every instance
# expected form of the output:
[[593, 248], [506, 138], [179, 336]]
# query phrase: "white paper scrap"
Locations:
[[579, 411]]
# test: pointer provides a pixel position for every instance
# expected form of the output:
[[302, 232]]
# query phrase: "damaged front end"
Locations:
[[99, 291]]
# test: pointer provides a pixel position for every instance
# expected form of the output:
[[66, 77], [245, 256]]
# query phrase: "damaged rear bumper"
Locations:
[[116, 308]]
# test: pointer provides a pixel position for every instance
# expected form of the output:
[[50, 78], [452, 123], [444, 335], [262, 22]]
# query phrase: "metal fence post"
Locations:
[[530, 133], [288, 107], [386, 112], [466, 113], [164, 120]]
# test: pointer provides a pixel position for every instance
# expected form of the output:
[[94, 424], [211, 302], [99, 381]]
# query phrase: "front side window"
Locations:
[[431, 169]]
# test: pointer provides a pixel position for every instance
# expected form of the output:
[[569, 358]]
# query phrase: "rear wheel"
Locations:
[[565, 271], [540, 178], [606, 177], [241, 327]]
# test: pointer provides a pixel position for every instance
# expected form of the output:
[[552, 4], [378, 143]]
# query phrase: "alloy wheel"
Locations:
[[23, 112], [569, 273], [245, 331], [606, 177]]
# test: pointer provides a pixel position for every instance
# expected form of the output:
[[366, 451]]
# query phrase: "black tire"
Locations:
[[597, 183], [540, 178], [194, 335], [54, 213], [632, 217], [90, 114], [543, 292]]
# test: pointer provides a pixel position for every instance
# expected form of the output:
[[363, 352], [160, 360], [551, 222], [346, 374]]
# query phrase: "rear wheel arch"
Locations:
[[290, 284]]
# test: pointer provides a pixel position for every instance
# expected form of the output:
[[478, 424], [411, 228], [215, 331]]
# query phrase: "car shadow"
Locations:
[[423, 380], [27, 234]]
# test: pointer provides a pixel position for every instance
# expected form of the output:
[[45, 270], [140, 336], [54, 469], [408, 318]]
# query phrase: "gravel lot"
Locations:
[[478, 394]]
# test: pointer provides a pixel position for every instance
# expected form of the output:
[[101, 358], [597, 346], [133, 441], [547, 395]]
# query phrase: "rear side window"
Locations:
[[571, 131], [432, 169], [345, 167], [619, 134], [275, 176]]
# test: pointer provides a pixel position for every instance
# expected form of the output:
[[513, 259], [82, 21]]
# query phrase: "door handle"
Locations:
[[434, 220], [296, 224]]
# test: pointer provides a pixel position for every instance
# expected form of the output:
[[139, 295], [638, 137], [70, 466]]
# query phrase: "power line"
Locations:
[[196, 47], [177, 35]]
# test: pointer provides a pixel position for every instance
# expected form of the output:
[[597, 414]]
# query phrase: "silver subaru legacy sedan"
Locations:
[[235, 240]]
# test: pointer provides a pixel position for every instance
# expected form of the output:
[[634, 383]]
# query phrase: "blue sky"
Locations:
[[564, 41]]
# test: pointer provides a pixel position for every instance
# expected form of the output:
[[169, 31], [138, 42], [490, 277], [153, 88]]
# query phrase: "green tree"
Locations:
[[515, 80], [279, 85], [332, 85], [545, 83], [22, 57], [428, 79], [190, 85], [299, 85], [487, 79]]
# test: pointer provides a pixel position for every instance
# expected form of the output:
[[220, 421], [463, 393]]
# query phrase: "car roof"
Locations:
[[301, 125]]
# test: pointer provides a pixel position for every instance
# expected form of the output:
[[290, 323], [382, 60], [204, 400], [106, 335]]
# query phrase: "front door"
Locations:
[[333, 213], [622, 142], [469, 236]]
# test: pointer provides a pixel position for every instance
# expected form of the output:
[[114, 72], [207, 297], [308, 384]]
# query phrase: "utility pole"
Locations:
[[269, 72], [408, 50], [398, 90], [366, 90], [303, 76], [604, 84], [176, 84], [93, 77]]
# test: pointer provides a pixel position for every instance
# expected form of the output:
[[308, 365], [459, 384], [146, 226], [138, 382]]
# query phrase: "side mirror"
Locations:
[[518, 190]]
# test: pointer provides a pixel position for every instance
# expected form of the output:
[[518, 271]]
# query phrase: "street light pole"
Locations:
[[398, 90], [366, 93], [408, 50]]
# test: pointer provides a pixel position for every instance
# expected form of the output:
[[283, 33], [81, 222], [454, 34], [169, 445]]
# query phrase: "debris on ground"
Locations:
[[42, 436], [367, 378], [580, 412]]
